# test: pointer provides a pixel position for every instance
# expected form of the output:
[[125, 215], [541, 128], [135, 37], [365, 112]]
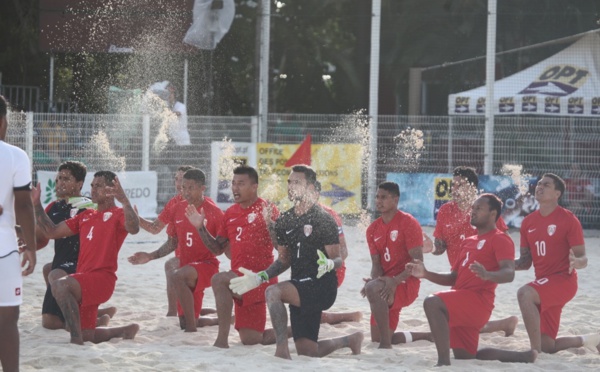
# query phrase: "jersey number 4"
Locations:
[[90, 235]]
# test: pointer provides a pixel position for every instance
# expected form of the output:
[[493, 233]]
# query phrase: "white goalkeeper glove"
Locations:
[[248, 281], [81, 202], [325, 264]]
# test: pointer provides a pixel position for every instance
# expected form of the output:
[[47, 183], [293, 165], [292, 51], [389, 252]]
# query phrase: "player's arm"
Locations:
[[140, 258], [524, 261], [577, 258], [333, 253], [25, 217], [216, 245], [47, 227], [440, 247], [505, 274], [153, 227], [418, 270], [343, 248], [281, 264]]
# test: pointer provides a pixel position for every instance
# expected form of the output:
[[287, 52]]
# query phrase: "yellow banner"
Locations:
[[442, 188], [338, 168]]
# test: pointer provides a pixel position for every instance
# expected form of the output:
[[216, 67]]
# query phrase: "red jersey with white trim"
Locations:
[[487, 249], [190, 245], [550, 239], [248, 235], [167, 213], [454, 225], [101, 235], [393, 241]]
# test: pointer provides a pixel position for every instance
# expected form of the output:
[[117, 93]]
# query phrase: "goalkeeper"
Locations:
[[308, 242]]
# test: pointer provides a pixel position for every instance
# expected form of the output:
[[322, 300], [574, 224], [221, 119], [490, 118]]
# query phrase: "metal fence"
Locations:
[[569, 147]]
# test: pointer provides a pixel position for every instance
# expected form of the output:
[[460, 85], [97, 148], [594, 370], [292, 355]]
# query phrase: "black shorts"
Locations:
[[50, 306], [315, 296]]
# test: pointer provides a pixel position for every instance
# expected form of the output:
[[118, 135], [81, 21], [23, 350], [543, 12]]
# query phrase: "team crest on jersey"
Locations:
[[307, 230], [251, 217], [73, 212], [18, 291], [462, 237], [394, 235], [551, 229], [106, 216], [480, 244]]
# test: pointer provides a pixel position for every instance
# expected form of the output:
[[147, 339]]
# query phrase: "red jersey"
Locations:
[[101, 235], [550, 239], [392, 242], [341, 272], [248, 235], [454, 225], [487, 249], [167, 213], [190, 245]]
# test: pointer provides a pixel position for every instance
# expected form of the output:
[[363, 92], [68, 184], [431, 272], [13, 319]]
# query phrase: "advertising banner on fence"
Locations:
[[338, 169], [422, 195], [140, 188]]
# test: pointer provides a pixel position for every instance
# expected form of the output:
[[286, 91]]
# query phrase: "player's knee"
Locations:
[[372, 289], [273, 294], [525, 294], [433, 303], [219, 280], [60, 288], [171, 264]]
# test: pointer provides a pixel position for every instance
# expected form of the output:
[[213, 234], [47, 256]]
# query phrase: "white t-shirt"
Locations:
[[15, 169], [178, 128]]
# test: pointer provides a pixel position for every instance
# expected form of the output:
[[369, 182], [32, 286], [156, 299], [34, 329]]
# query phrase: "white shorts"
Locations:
[[11, 281]]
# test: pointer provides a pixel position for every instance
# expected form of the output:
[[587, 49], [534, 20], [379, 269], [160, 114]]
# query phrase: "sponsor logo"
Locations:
[[575, 105], [179, 221], [552, 105], [251, 217], [394, 235], [507, 104], [232, 219], [17, 291], [551, 229], [377, 238], [558, 81], [480, 107], [106, 216], [530, 230], [308, 230], [529, 104], [595, 105], [289, 231], [480, 244], [462, 105]]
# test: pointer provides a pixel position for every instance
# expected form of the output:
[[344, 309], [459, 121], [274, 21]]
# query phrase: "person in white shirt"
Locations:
[[15, 198]]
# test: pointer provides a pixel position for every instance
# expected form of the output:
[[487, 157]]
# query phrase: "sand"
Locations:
[[161, 346]]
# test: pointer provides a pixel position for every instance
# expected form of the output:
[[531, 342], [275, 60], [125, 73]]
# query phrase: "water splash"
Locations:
[[100, 156], [409, 146]]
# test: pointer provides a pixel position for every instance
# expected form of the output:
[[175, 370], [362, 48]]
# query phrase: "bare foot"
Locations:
[[110, 311], [511, 324], [355, 342], [532, 356], [221, 344], [283, 354], [130, 331], [103, 320]]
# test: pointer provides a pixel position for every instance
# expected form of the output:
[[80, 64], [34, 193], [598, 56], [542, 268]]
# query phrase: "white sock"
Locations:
[[591, 341], [407, 337]]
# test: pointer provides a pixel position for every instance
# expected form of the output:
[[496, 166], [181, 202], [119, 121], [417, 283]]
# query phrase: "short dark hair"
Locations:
[[309, 173], [494, 202], [3, 106], [184, 168], [467, 173], [559, 183], [195, 175], [318, 186], [246, 169], [391, 187], [108, 176], [77, 169]]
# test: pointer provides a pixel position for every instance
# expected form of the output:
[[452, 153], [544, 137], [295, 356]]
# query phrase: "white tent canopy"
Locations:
[[566, 84]]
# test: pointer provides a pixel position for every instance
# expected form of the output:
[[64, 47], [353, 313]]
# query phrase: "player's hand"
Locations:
[[439, 247], [479, 271], [427, 244], [248, 281], [36, 193], [363, 291], [416, 268], [139, 258], [195, 218], [81, 202], [117, 191], [28, 261], [388, 292], [325, 264]]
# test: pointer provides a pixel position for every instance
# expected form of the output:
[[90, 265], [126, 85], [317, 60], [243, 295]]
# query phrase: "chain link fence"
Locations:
[[569, 147]]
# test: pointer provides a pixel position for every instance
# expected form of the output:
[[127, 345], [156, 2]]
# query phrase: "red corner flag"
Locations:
[[302, 154]]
